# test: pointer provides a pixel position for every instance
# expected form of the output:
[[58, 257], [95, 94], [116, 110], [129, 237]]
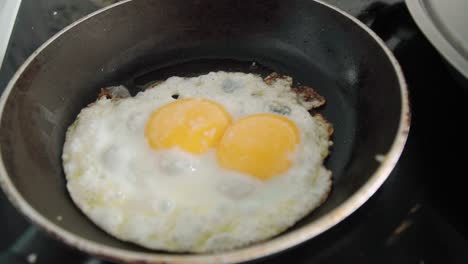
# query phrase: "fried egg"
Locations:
[[200, 164]]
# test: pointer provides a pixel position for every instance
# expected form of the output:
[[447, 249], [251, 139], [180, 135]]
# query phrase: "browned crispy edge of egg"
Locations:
[[322, 119], [114, 92], [274, 76], [105, 93], [307, 94]]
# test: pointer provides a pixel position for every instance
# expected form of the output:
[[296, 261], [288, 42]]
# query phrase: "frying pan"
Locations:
[[136, 42]]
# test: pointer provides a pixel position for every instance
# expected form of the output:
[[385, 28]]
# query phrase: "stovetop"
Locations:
[[415, 217]]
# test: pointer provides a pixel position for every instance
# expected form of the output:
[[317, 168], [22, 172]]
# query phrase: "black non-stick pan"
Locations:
[[137, 42]]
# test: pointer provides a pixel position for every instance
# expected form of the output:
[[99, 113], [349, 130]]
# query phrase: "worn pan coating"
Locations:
[[136, 42]]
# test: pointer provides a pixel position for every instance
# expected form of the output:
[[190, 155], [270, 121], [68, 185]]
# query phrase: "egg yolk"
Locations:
[[194, 125], [260, 145]]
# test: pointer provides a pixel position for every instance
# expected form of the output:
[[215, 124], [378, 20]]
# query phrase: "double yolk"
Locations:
[[259, 145]]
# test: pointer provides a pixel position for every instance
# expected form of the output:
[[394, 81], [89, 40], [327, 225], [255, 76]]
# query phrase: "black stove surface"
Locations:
[[415, 217]]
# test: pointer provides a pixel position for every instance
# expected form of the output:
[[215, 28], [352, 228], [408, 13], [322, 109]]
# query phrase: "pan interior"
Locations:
[[136, 43]]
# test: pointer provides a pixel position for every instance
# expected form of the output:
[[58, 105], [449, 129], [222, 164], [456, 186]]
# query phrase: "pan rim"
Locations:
[[262, 249]]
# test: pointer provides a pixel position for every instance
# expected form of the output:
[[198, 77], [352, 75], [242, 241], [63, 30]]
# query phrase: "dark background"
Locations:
[[417, 216]]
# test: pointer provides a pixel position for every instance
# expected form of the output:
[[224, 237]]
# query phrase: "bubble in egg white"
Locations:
[[110, 158], [135, 121], [235, 188], [278, 108], [230, 86], [175, 165], [165, 206]]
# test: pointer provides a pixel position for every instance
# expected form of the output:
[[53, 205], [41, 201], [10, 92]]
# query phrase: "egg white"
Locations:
[[175, 201]]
